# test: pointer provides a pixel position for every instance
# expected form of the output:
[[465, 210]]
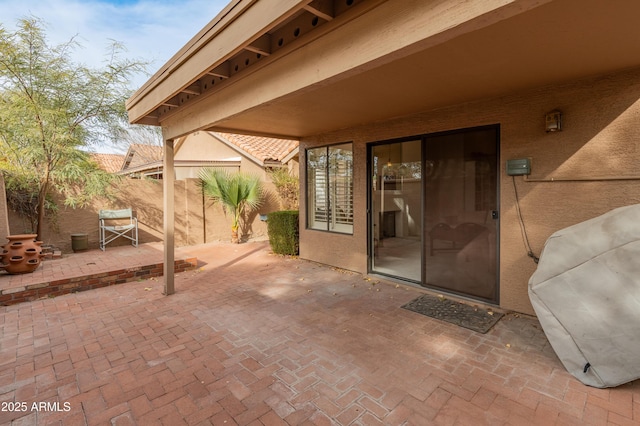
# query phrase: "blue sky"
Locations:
[[152, 30]]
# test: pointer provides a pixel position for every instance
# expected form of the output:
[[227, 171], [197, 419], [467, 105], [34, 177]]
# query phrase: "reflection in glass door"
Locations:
[[460, 186], [397, 209], [434, 210]]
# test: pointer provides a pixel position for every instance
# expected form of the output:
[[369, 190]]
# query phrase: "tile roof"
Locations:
[[111, 163], [140, 154], [262, 148]]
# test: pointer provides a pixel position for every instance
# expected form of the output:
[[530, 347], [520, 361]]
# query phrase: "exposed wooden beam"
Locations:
[[149, 120], [321, 8], [221, 70], [172, 103], [418, 28], [238, 24], [194, 89], [262, 45]]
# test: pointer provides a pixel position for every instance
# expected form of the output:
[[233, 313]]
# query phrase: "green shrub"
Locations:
[[283, 232]]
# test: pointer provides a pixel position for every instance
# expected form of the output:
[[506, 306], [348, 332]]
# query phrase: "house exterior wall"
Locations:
[[600, 140], [202, 146]]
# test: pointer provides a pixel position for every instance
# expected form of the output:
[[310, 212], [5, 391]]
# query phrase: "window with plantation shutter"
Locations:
[[330, 188]]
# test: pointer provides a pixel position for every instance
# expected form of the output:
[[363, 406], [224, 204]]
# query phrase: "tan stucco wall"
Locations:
[[202, 146], [197, 220], [145, 197], [601, 138]]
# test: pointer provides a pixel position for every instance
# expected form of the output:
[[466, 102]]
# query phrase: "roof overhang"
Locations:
[[155, 165], [377, 60]]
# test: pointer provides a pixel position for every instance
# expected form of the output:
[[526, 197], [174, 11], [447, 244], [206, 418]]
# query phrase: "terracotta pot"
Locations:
[[22, 254]]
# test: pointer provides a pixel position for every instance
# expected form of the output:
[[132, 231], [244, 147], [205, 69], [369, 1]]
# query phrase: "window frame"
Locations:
[[329, 180]]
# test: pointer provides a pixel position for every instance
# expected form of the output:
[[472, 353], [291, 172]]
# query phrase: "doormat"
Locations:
[[467, 316]]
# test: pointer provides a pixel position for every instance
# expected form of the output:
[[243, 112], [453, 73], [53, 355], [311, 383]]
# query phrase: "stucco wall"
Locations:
[[145, 197], [601, 138], [201, 146]]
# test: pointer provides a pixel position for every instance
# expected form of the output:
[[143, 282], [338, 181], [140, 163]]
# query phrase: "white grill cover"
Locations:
[[586, 294]]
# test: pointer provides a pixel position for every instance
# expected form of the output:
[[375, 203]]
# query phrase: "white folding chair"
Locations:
[[117, 223]]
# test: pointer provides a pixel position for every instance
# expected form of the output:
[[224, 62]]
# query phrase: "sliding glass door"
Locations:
[[433, 203], [460, 212], [397, 209]]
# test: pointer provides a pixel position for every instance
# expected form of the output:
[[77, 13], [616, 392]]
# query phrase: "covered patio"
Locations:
[[256, 339], [361, 74]]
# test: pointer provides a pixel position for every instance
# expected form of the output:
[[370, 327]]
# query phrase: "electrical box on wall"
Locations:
[[519, 167]]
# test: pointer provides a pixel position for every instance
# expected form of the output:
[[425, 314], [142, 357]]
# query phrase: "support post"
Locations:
[[168, 179]]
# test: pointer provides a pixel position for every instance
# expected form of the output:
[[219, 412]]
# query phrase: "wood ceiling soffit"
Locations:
[[221, 70], [172, 103], [222, 129], [309, 17], [152, 119], [222, 20], [194, 89], [207, 44], [262, 45]]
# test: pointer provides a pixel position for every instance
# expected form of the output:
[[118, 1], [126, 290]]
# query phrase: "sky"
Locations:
[[151, 30]]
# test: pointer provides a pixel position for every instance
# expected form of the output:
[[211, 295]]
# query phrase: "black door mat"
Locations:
[[467, 316]]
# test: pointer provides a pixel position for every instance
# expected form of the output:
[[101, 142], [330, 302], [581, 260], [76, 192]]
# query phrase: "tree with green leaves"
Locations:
[[53, 111], [239, 193]]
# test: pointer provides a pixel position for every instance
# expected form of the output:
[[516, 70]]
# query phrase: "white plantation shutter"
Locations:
[[330, 188], [341, 187], [321, 210]]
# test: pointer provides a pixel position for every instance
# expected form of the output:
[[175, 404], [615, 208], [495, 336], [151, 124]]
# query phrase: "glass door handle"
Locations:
[[494, 214]]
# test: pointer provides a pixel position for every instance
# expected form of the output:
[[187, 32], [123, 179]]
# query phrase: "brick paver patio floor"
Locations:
[[256, 339]]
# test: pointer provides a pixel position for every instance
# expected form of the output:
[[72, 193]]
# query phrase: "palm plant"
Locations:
[[238, 193]]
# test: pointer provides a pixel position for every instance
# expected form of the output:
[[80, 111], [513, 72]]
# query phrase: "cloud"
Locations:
[[149, 30]]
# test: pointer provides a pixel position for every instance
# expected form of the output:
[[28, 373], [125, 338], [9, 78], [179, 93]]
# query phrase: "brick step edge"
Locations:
[[55, 288]]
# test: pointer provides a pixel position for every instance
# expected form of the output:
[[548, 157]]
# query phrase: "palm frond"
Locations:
[[237, 192]]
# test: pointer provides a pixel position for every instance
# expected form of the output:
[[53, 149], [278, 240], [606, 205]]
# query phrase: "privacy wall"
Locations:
[[197, 220]]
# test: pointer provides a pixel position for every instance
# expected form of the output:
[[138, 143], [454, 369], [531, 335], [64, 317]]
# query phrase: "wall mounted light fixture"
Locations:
[[553, 121]]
